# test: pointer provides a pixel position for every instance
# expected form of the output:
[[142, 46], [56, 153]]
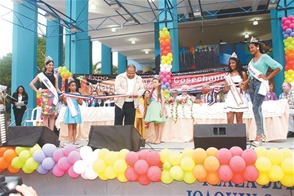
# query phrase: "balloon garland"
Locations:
[[65, 74], [166, 61], [288, 33], [258, 165]]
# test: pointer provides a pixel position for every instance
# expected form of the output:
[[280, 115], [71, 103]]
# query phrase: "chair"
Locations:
[[35, 118]]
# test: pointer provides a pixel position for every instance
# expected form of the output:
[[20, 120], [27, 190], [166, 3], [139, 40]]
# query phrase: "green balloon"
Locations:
[[24, 155], [31, 164], [16, 163]]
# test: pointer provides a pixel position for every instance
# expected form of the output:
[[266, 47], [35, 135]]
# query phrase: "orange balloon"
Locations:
[[3, 163], [9, 155], [2, 150], [199, 172], [211, 151], [199, 155], [12, 170], [211, 164], [212, 178]]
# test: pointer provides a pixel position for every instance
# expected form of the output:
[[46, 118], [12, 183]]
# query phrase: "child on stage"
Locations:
[[72, 115], [155, 111]]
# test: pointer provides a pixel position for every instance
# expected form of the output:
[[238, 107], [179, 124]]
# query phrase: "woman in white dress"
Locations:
[[236, 102]]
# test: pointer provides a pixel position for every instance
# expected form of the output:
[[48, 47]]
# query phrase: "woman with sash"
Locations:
[[258, 83], [49, 89], [236, 102]]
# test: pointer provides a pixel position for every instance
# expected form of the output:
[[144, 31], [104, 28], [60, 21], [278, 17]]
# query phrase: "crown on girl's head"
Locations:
[[156, 77], [254, 40], [48, 59], [234, 55]]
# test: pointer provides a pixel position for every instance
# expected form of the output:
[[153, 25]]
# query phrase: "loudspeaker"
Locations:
[[219, 135], [28, 136], [115, 138]]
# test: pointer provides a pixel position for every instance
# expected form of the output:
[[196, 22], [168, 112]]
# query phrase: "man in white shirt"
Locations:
[[131, 85]]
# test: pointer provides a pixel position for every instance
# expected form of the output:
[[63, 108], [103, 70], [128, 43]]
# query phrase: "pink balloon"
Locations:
[[251, 173], [224, 156], [290, 17], [236, 151], [63, 163], [154, 173], [141, 167], [131, 174], [237, 164], [71, 173], [288, 22], [164, 80], [167, 76], [238, 178], [291, 26], [144, 180], [143, 154], [284, 19], [132, 158], [69, 148], [58, 153], [58, 172], [225, 173], [249, 156], [153, 159], [73, 157], [284, 27]]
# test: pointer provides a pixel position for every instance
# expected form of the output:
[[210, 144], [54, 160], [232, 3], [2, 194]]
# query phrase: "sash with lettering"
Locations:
[[234, 90], [264, 86], [72, 109], [50, 86]]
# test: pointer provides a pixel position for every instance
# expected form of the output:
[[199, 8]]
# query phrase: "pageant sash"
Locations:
[[234, 90], [71, 107], [50, 86], [264, 86]]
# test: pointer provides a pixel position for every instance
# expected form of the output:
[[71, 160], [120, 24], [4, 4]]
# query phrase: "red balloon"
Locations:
[[132, 158], [251, 173], [236, 151], [249, 156], [224, 156], [237, 164], [153, 159], [144, 180], [143, 154], [141, 167], [131, 174], [225, 173], [238, 178], [154, 173]]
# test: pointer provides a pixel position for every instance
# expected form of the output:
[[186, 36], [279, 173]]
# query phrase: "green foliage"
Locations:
[[41, 54], [96, 68], [5, 70]]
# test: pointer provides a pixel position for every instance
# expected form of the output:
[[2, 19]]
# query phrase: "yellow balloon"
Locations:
[[263, 179], [121, 177], [99, 166], [120, 166], [164, 155], [102, 153], [176, 173], [102, 176], [175, 158], [288, 180], [110, 172], [123, 153], [288, 166], [276, 173], [187, 152], [166, 165], [261, 151], [263, 164], [189, 178], [111, 157], [187, 164], [287, 153], [275, 155], [166, 178]]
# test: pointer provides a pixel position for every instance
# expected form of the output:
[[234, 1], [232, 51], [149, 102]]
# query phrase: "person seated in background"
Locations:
[[174, 94], [209, 95], [185, 96], [288, 94], [95, 101], [271, 95], [108, 102]]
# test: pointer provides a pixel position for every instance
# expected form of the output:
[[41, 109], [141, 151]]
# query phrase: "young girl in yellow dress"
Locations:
[[155, 111]]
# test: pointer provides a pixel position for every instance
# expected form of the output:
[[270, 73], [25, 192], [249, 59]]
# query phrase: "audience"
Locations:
[[271, 95], [289, 95]]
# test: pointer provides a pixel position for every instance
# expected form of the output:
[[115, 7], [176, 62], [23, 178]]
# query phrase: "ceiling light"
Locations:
[[133, 41], [73, 29], [197, 14], [246, 36], [255, 22], [272, 4], [146, 52], [49, 16], [113, 30], [17, 1]]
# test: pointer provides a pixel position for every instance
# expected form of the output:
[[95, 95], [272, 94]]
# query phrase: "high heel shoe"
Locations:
[[259, 140]]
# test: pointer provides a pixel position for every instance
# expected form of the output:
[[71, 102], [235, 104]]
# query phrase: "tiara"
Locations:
[[156, 77], [234, 55], [254, 40], [48, 59]]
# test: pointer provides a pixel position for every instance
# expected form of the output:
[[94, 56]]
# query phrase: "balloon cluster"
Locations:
[[110, 164], [144, 167], [65, 74], [275, 165], [166, 59], [288, 33]]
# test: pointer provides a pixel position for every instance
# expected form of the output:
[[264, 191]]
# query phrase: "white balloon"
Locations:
[[90, 173], [84, 175], [86, 152], [80, 166]]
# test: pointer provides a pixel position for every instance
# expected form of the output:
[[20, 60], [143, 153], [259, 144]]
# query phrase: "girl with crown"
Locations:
[[258, 83], [236, 102], [155, 111]]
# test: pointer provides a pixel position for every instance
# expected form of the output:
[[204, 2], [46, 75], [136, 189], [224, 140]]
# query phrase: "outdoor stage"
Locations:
[[49, 184]]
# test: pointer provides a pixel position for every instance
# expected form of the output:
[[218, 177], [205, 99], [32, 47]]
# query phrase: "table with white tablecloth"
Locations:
[[182, 118]]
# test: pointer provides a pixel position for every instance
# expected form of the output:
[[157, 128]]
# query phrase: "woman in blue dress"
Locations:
[[72, 115]]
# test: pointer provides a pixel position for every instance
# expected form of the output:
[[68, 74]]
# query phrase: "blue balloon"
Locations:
[[288, 31], [167, 85], [48, 163], [292, 34], [49, 149], [39, 156], [41, 170], [163, 87], [286, 36]]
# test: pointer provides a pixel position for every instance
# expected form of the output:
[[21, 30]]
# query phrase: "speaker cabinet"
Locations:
[[28, 136], [219, 135], [115, 137]]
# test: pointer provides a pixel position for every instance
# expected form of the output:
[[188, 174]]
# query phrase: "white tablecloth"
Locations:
[[180, 129]]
